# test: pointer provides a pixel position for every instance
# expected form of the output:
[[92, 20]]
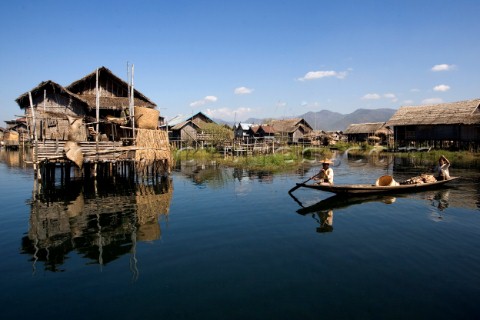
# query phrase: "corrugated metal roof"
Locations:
[[244, 126], [176, 120]]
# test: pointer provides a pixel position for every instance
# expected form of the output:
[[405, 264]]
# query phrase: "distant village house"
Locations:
[[372, 133], [290, 130], [189, 130]]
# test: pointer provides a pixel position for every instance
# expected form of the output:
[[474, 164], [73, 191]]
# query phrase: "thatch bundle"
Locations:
[[11, 137], [146, 118], [153, 145]]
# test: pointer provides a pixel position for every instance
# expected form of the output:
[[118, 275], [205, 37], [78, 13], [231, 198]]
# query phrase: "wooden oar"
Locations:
[[299, 185]]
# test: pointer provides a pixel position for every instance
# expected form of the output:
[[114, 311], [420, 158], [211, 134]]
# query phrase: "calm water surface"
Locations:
[[214, 243]]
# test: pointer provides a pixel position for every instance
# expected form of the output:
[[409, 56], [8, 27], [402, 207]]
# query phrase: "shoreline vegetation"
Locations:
[[296, 157]]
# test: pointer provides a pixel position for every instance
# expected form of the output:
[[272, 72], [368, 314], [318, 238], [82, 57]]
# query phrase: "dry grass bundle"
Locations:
[[423, 178], [153, 146], [146, 118], [11, 137]]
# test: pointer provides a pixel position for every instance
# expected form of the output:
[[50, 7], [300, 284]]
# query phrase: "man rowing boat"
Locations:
[[326, 173]]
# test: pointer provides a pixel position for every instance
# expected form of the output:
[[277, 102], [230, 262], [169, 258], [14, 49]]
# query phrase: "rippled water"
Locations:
[[220, 243]]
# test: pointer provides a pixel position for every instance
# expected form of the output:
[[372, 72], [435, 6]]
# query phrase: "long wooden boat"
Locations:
[[356, 189]]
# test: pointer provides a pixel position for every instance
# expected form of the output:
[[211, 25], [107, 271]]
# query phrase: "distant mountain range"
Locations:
[[332, 121]]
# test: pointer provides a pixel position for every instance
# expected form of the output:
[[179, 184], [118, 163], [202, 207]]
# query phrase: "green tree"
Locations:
[[217, 133]]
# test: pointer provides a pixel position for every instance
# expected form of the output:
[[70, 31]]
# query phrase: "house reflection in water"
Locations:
[[101, 220]]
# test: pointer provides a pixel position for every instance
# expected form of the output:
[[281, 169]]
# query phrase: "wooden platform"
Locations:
[[102, 151]]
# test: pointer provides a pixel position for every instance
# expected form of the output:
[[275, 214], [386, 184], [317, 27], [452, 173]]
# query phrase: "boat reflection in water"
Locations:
[[100, 220], [322, 211]]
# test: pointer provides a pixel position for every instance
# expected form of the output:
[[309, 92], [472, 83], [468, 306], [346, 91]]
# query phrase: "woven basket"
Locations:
[[385, 181], [146, 118]]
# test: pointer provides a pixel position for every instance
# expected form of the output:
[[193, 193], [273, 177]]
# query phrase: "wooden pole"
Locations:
[[44, 100], [35, 151], [97, 107], [132, 102]]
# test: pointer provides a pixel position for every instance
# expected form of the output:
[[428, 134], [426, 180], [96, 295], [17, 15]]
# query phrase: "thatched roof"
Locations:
[[462, 112], [113, 102], [364, 128], [51, 87], [103, 72], [289, 125], [88, 100]]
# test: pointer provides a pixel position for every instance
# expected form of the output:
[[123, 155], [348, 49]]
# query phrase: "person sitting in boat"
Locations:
[[441, 169], [326, 173]]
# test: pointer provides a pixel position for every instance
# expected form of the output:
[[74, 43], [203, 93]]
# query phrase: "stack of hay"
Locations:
[[424, 178]]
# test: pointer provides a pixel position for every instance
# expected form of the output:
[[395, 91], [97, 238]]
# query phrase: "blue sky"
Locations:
[[238, 59]]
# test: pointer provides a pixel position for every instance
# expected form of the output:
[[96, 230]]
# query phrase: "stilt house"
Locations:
[[191, 130], [262, 132], [241, 131], [114, 101], [375, 132], [290, 130], [453, 125], [94, 120], [53, 104]]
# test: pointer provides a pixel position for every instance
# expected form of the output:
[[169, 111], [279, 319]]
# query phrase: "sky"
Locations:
[[233, 60]]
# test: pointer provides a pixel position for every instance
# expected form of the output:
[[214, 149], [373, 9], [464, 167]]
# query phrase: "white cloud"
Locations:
[[243, 90], [441, 87], [408, 102], [306, 104], [432, 101], [376, 96], [414, 90], [203, 101], [391, 96], [228, 114], [312, 75], [443, 67], [371, 96], [211, 98]]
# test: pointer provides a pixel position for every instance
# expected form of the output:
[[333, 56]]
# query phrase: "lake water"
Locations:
[[217, 243]]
